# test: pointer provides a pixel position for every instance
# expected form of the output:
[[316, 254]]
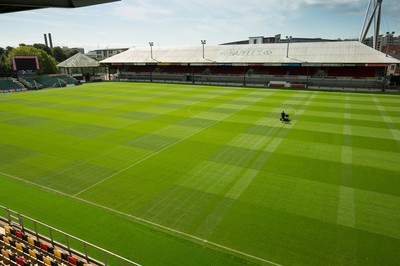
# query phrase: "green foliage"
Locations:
[[3, 60], [48, 58], [8, 50], [71, 52], [59, 54], [47, 63], [5, 67], [42, 47], [62, 54]]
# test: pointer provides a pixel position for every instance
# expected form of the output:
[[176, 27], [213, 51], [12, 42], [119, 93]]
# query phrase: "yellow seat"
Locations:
[[31, 241], [32, 253], [20, 246], [5, 253], [6, 239], [7, 229], [47, 260], [57, 253]]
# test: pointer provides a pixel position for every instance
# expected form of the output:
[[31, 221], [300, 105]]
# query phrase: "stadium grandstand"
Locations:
[[347, 64], [21, 245], [23, 83]]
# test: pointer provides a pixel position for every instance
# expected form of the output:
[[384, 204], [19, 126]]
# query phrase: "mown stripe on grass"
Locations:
[[161, 150], [395, 132], [346, 213], [156, 225], [209, 177], [247, 175]]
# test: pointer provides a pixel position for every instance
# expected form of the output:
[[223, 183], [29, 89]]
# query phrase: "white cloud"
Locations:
[[176, 22], [140, 10]]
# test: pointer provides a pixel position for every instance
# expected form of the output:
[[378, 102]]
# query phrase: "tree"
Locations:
[[8, 50], [43, 47], [5, 68], [59, 54], [71, 52], [47, 63], [3, 64]]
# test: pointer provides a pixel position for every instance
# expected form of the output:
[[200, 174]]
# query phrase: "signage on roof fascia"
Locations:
[[272, 64], [311, 64], [333, 65], [377, 65], [246, 52], [291, 64], [203, 64]]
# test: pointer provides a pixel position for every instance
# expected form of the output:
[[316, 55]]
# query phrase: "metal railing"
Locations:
[[20, 221], [311, 82]]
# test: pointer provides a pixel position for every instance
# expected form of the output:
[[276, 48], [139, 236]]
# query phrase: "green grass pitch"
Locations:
[[204, 175]]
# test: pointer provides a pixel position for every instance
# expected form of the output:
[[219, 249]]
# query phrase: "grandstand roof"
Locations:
[[327, 53], [7, 6], [79, 60]]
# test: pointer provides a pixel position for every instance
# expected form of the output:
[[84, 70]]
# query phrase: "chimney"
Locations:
[[50, 41], [45, 40]]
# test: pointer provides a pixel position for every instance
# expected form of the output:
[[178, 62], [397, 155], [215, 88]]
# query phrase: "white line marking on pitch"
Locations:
[[346, 204], [395, 132], [163, 149], [146, 221]]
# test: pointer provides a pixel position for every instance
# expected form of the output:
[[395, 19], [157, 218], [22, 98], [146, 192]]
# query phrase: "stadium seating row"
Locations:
[[19, 248], [69, 80], [360, 72], [8, 85], [20, 238], [50, 81], [40, 82], [172, 69]]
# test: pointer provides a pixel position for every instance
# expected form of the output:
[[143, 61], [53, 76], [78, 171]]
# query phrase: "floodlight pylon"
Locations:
[[373, 14]]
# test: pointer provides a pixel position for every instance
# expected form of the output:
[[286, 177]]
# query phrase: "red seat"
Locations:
[[20, 260], [19, 234], [72, 260], [43, 246]]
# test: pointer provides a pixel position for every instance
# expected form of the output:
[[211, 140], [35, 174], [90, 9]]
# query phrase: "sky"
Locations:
[[133, 23]]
